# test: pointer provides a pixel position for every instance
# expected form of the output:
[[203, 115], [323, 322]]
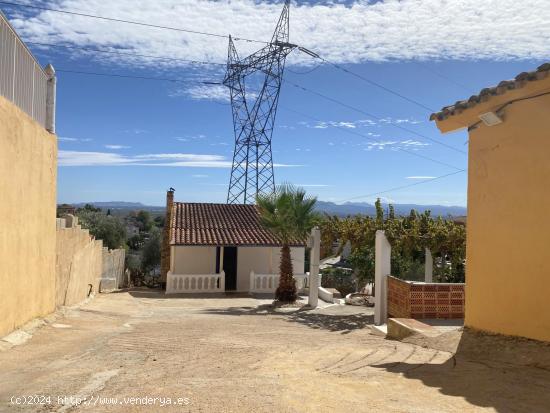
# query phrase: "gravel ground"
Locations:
[[235, 354]]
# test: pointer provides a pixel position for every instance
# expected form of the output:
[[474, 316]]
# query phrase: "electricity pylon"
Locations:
[[254, 113]]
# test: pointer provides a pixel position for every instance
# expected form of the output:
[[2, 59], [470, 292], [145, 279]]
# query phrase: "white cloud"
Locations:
[[77, 158], [358, 31], [136, 131], [359, 123], [65, 139], [205, 92], [199, 176], [394, 145], [420, 177], [117, 146]]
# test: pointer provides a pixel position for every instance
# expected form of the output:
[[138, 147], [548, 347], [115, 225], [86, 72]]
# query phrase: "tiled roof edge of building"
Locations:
[[210, 224], [485, 94]]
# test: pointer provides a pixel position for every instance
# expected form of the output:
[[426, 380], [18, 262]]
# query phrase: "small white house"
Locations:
[[223, 247]]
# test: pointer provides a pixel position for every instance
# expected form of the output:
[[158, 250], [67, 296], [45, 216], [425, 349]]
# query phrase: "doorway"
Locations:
[[230, 268]]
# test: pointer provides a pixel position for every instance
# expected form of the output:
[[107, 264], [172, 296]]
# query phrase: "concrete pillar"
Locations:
[[165, 248], [50, 98], [428, 266], [315, 244], [382, 268]]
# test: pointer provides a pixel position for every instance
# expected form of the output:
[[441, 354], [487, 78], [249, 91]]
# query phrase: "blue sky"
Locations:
[[130, 139]]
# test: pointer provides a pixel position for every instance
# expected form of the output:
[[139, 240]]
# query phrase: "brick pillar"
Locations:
[[165, 248]]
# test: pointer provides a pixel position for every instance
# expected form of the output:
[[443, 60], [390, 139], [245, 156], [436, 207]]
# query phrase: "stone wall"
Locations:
[[79, 263], [410, 299], [114, 268], [28, 168]]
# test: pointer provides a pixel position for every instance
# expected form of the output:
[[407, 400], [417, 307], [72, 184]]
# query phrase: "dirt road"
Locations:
[[236, 355]]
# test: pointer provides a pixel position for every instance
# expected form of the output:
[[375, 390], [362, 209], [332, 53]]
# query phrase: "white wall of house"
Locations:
[[193, 260], [261, 260], [264, 260]]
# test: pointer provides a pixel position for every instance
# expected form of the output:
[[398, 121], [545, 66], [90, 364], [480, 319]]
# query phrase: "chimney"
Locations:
[[165, 248]]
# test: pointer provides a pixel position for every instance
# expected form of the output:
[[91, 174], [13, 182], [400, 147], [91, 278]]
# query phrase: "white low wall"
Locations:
[[267, 283], [326, 295], [195, 283]]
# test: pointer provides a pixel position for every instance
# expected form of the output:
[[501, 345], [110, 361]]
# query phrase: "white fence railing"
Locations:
[[267, 283], [195, 283], [22, 79]]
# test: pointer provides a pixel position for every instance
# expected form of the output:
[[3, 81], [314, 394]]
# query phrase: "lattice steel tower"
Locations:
[[254, 113]]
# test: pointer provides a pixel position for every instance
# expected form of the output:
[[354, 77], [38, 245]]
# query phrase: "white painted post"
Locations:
[[315, 244], [222, 280], [252, 286], [382, 268], [50, 98], [428, 266]]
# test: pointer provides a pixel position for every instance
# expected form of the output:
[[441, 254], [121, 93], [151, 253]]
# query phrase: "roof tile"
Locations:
[[518, 82], [220, 224]]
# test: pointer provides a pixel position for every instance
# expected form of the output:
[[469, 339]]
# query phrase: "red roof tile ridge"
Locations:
[[485, 94]]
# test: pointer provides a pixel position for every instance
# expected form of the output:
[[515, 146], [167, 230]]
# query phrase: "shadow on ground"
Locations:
[[318, 319], [507, 374]]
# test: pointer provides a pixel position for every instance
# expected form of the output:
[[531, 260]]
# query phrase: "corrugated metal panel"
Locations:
[[39, 104], [7, 47], [22, 79]]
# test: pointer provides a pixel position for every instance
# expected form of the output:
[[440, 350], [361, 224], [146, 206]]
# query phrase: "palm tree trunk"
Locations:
[[286, 291]]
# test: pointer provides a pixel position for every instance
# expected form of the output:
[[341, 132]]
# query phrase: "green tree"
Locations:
[[159, 221], [144, 220], [379, 212], [135, 242], [408, 236], [362, 261], [110, 229], [391, 214], [88, 208], [288, 213], [150, 254]]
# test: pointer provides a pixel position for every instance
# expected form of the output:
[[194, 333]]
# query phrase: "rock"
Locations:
[[360, 299]]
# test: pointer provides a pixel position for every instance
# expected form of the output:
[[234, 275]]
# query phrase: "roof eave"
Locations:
[[460, 116], [465, 113]]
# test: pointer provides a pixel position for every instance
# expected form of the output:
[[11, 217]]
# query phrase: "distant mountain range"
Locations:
[[349, 208], [114, 205], [364, 208]]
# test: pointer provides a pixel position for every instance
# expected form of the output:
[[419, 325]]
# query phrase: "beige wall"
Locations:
[[263, 260], [508, 238], [28, 160], [193, 260], [79, 264]]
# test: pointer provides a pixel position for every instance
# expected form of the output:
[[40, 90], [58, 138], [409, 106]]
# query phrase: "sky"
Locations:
[[349, 137]]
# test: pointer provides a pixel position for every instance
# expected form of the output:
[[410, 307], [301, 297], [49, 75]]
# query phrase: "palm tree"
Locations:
[[288, 213]]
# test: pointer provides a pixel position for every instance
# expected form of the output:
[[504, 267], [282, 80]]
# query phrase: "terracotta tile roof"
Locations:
[[518, 82], [220, 224]]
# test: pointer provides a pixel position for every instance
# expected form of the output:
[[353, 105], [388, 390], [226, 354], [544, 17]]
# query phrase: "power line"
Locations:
[[353, 132], [404, 186], [293, 84], [93, 16], [442, 76], [378, 85], [78, 72], [118, 52], [299, 113], [336, 65], [306, 72], [372, 116]]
